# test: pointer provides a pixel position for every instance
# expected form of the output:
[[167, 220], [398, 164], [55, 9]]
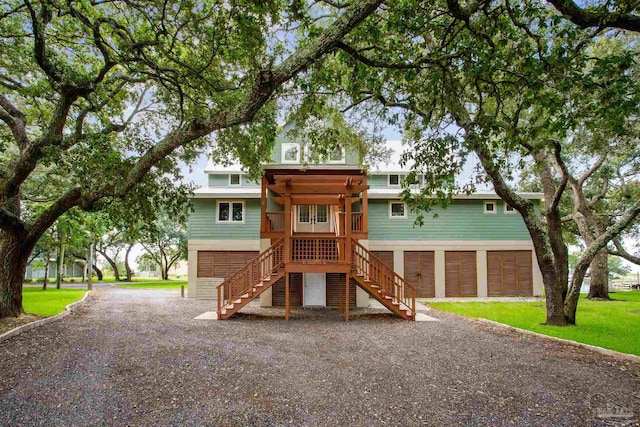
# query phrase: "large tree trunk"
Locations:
[[60, 263], [126, 262], [112, 263], [13, 267], [98, 271], [599, 285]]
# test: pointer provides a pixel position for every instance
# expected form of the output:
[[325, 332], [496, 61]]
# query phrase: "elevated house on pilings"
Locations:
[[332, 234]]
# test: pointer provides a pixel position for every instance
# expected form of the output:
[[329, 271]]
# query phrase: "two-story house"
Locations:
[[333, 232]]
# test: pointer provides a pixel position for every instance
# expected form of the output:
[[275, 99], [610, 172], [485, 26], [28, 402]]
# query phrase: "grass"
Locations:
[[105, 279], [155, 284], [50, 302], [610, 324]]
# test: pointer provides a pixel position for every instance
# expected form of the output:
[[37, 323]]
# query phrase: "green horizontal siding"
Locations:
[[222, 180], [283, 136], [462, 220], [203, 226], [382, 180]]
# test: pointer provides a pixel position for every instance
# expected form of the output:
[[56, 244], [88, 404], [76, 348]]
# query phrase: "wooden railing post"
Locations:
[[365, 209], [263, 206], [348, 226]]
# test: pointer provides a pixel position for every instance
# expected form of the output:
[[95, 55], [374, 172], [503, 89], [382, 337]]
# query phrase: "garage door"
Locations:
[[460, 274], [295, 291], [385, 256], [420, 272], [509, 273], [222, 264], [335, 284]]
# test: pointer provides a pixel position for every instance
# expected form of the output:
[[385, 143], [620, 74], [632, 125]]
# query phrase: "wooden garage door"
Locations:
[[222, 264], [385, 256], [280, 287], [461, 278], [419, 270], [509, 273], [335, 284]]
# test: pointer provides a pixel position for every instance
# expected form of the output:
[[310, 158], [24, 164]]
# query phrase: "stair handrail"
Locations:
[[258, 269], [400, 290]]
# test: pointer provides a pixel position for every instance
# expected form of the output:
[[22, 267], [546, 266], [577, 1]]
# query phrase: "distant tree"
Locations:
[[165, 242], [617, 268]]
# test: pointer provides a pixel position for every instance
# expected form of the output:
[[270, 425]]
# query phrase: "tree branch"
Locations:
[[589, 18], [622, 253]]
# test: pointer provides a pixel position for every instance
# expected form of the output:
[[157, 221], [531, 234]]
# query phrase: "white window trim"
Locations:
[[495, 207], [230, 221], [284, 147], [389, 180], [239, 180], [391, 202], [506, 212], [338, 162]]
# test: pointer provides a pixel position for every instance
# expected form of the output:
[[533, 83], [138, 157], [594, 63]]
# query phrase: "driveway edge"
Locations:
[[23, 328], [601, 350]]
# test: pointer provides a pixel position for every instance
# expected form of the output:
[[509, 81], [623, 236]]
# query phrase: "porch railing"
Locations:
[[356, 221], [317, 250], [373, 269], [258, 269]]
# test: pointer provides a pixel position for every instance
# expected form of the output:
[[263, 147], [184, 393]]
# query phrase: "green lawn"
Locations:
[[155, 284], [610, 324], [50, 302]]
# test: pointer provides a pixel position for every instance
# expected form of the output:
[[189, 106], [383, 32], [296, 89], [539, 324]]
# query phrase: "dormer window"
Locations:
[[290, 152], [394, 180], [490, 207], [336, 155], [234, 179]]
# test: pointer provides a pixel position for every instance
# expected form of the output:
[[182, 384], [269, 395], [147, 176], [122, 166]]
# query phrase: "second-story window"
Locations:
[[509, 210], [336, 155], [490, 207], [290, 152], [394, 179], [230, 211], [397, 210], [234, 179]]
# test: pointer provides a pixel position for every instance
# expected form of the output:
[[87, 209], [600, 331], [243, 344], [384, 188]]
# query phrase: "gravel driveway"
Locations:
[[137, 357]]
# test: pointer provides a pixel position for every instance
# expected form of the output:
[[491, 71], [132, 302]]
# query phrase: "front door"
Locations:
[[315, 290], [313, 219]]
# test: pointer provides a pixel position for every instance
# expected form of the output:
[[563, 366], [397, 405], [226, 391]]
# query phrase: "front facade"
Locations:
[[344, 235]]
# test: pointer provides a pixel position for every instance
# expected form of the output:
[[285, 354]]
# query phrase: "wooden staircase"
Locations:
[[371, 273], [251, 280], [382, 283]]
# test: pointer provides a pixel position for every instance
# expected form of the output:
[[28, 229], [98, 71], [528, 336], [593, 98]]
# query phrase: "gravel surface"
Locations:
[[137, 357]]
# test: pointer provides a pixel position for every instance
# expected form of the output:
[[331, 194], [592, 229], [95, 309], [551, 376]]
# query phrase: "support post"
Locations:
[[365, 209], [346, 302], [287, 298], [348, 225], [263, 206], [287, 230], [341, 300]]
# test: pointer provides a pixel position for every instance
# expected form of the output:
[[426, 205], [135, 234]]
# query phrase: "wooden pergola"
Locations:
[[315, 252]]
